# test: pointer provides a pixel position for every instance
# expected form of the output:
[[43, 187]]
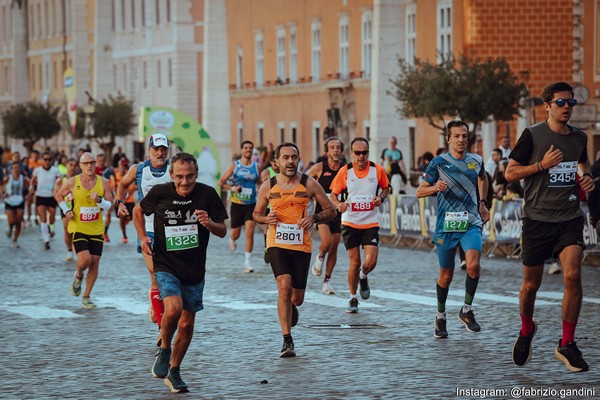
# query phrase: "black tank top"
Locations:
[[327, 176]]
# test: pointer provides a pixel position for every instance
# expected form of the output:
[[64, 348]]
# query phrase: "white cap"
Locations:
[[157, 140]]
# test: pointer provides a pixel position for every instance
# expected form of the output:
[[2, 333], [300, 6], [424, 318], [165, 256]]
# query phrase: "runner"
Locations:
[[330, 232], [245, 177], [289, 244], [106, 172], [71, 166], [548, 156], [265, 175], [44, 179], [455, 178], [145, 175], [185, 214], [91, 195], [14, 191], [367, 186]]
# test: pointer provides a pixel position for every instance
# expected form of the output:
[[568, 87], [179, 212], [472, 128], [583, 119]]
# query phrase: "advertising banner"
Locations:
[[70, 86]]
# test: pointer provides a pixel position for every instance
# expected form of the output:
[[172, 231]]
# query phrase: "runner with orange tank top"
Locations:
[[289, 244], [368, 186]]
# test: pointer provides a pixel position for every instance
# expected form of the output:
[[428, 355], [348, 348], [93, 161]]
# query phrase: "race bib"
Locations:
[[362, 203], [245, 194], [289, 234], [89, 214], [181, 237], [456, 221], [563, 174]]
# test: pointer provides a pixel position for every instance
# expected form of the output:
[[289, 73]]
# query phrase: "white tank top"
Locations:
[[361, 210], [46, 180], [14, 189]]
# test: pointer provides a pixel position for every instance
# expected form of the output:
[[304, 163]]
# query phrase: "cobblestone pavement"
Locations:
[[53, 348]]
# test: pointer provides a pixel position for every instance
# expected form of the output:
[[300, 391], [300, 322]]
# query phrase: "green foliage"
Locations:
[[470, 89], [31, 122]]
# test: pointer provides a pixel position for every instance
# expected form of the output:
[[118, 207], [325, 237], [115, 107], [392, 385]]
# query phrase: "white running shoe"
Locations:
[[248, 268], [69, 256], [554, 269], [232, 245], [317, 267], [327, 288]]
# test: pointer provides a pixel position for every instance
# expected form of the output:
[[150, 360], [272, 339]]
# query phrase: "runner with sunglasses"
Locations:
[[367, 186], [43, 182], [548, 156]]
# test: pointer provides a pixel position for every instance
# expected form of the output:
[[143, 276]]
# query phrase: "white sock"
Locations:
[[361, 275], [45, 232], [352, 296], [466, 308], [441, 315], [248, 255]]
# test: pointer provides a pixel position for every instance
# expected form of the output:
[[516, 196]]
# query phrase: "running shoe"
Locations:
[[571, 356], [554, 269], [174, 382], [69, 256], [9, 233], [327, 288], [295, 315], [76, 285], [232, 245], [15, 245], [521, 353], [365, 290], [47, 245], [52, 233], [352, 306], [440, 331], [160, 368], [463, 264], [248, 269], [468, 319], [266, 257], [317, 267], [86, 302], [288, 349]]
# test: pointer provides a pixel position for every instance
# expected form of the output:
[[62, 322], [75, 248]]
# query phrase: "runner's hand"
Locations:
[[122, 211], [146, 244], [552, 157], [440, 186], [203, 217], [342, 207]]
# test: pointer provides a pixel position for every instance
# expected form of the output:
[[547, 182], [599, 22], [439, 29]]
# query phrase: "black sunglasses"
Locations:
[[47, 159], [562, 102], [361, 153]]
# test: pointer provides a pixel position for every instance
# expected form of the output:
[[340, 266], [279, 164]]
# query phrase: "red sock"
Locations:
[[157, 305], [568, 332], [526, 325]]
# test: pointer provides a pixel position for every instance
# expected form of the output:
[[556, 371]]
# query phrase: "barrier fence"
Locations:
[[406, 216]]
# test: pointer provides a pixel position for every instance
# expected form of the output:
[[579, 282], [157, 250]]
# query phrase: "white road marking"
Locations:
[[39, 312], [499, 298], [559, 296], [222, 301], [331, 301], [412, 298]]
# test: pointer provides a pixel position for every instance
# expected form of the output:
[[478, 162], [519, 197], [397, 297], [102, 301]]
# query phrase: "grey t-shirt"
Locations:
[[551, 195]]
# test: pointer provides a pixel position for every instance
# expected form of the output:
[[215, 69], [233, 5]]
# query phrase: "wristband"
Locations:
[[105, 204], [483, 201], [64, 207], [117, 202], [589, 174]]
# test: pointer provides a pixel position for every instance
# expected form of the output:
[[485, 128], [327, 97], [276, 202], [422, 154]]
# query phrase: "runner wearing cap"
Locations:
[[147, 174]]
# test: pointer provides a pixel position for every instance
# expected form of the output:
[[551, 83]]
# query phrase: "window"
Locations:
[[260, 61], [240, 127], [411, 33], [32, 77], [61, 27], [53, 18], [281, 55], [31, 32], [115, 77], [367, 43], [68, 13], [39, 21], [157, 10], [158, 74], [344, 47], [143, 13], [47, 76], [6, 80], [294, 130], [45, 17], [367, 129], [168, 11], [239, 67], [293, 54], [145, 74], [170, 72], [132, 14], [316, 140], [123, 22], [444, 29], [4, 24], [316, 51], [261, 134], [281, 132], [125, 77]]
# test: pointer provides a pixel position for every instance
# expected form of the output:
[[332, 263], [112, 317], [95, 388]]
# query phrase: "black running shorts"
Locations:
[[91, 243], [360, 237], [290, 262], [240, 213], [543, 240]]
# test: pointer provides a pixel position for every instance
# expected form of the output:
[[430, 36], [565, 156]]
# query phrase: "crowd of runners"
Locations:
[[174, 216]]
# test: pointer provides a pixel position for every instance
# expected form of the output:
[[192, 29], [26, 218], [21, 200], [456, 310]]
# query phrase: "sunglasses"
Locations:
[[361, 153], [562, 102], [47, 159]]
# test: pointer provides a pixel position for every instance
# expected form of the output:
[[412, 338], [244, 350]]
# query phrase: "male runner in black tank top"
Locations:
[[330, 231]]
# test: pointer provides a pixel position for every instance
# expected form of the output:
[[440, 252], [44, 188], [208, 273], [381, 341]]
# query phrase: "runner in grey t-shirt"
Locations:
[[549, 156]]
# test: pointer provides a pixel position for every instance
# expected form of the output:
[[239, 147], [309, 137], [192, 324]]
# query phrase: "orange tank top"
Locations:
[[290, 206]]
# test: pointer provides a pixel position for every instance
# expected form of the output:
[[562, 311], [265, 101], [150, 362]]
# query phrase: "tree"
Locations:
[[473, 90], [31, 122], [113, 117]]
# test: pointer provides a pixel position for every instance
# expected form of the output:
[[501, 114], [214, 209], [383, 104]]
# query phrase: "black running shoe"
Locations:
[[266, 257], [295, 315], [47, 245], [468, 319], [288, 349], [365, 290], [160, 368], [440, 331], [352, 306], [522, 349], [174, 382], [571, 356]]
